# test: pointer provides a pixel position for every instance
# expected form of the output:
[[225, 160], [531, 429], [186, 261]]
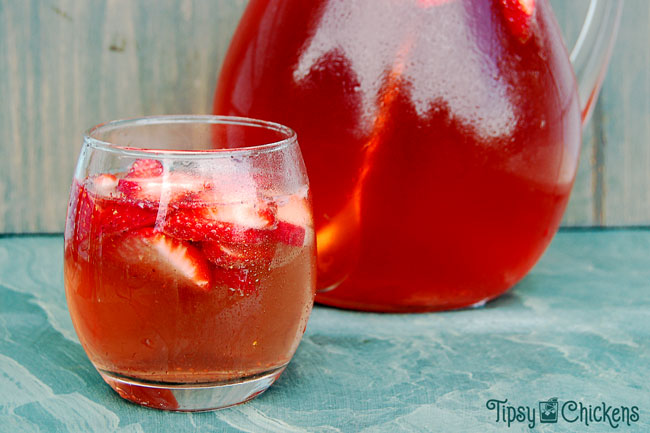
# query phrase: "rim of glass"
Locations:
[[290, 136]]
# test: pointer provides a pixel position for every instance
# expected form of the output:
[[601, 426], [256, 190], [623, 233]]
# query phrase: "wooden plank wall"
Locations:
[[613, 183], [66, 65]]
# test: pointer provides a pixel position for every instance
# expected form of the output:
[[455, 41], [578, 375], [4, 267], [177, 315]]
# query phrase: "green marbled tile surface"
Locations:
[[577, 328]]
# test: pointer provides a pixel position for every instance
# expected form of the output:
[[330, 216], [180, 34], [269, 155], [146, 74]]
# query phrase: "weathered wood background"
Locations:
[[66, 65]]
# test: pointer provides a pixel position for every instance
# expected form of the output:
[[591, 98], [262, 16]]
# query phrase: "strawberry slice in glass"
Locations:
[[149, 254]]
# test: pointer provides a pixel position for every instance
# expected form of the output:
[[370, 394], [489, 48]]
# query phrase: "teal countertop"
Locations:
[[577, 328]]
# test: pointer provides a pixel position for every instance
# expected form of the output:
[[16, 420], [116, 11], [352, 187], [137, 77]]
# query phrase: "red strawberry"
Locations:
[[192, 224], [289, 234], [130, 188], [104, 184], [71, 214], [82, 220], [143, 168], [98, 215], [251, 215], [214, 253], [173, 187], [293, 218], [118, 215], [518, 15], [243, 281], [155, 255], [239, 255], [233, 223]]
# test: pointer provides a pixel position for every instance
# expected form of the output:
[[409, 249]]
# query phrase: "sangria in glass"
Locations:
[[190, 257]]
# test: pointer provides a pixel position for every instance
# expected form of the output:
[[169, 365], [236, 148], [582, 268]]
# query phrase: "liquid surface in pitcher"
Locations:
[[441, 138]]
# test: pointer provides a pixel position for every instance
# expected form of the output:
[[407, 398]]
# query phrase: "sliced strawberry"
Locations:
[[145, 168], [293, 218], [104, 184], [194, 224], [252, 215], [86, 206], [232, 223], [84, 213], [242, 281], [289, 234], [73, 208], [150, 254], [98, 215], [130, 188], [239, 255], [295, 210], [214, 253], [173, 187], [83, 222], [118, 215], [294, 230], [518, 15]]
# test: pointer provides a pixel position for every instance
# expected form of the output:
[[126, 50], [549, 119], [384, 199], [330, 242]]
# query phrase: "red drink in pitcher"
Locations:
[[441, 138]]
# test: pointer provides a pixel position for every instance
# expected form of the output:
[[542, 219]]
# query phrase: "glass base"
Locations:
[[192, 397]]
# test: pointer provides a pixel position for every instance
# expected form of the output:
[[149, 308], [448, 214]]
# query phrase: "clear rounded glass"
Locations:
[[189, 257]]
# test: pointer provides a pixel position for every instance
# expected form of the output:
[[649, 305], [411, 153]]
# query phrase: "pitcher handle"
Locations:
[[593, 49]]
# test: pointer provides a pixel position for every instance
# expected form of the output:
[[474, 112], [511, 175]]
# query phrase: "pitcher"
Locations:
[[441, 137]]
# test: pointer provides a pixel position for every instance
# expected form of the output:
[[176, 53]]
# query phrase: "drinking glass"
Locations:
[[189, 257]]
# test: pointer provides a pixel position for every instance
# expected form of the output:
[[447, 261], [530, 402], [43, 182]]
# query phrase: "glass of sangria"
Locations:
[[189, 257]]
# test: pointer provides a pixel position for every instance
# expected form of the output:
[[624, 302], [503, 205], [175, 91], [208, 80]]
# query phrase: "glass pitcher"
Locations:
[[441, 137]]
